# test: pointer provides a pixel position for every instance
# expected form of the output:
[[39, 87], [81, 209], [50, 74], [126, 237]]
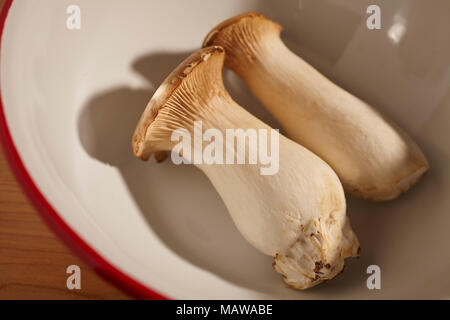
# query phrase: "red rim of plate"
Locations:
[[51, 216]]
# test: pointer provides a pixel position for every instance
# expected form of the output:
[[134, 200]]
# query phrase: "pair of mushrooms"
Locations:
[[297, 216]]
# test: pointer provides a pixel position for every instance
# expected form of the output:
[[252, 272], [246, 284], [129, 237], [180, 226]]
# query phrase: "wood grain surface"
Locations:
[[33, 261]]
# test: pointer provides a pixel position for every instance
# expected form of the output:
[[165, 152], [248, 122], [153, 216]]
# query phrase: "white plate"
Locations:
[[71, 99]]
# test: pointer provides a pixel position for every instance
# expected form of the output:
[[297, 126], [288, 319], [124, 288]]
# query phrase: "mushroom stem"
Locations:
[[296, 216], [372, 156]]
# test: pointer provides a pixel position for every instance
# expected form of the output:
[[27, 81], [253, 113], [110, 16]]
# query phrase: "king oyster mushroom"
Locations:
[[372, 156], [296, 216]]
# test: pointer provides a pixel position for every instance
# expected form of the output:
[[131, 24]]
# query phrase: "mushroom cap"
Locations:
[[164, 93], [245, 18]]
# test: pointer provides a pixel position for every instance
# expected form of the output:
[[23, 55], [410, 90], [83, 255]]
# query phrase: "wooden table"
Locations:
[[33, 261]]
